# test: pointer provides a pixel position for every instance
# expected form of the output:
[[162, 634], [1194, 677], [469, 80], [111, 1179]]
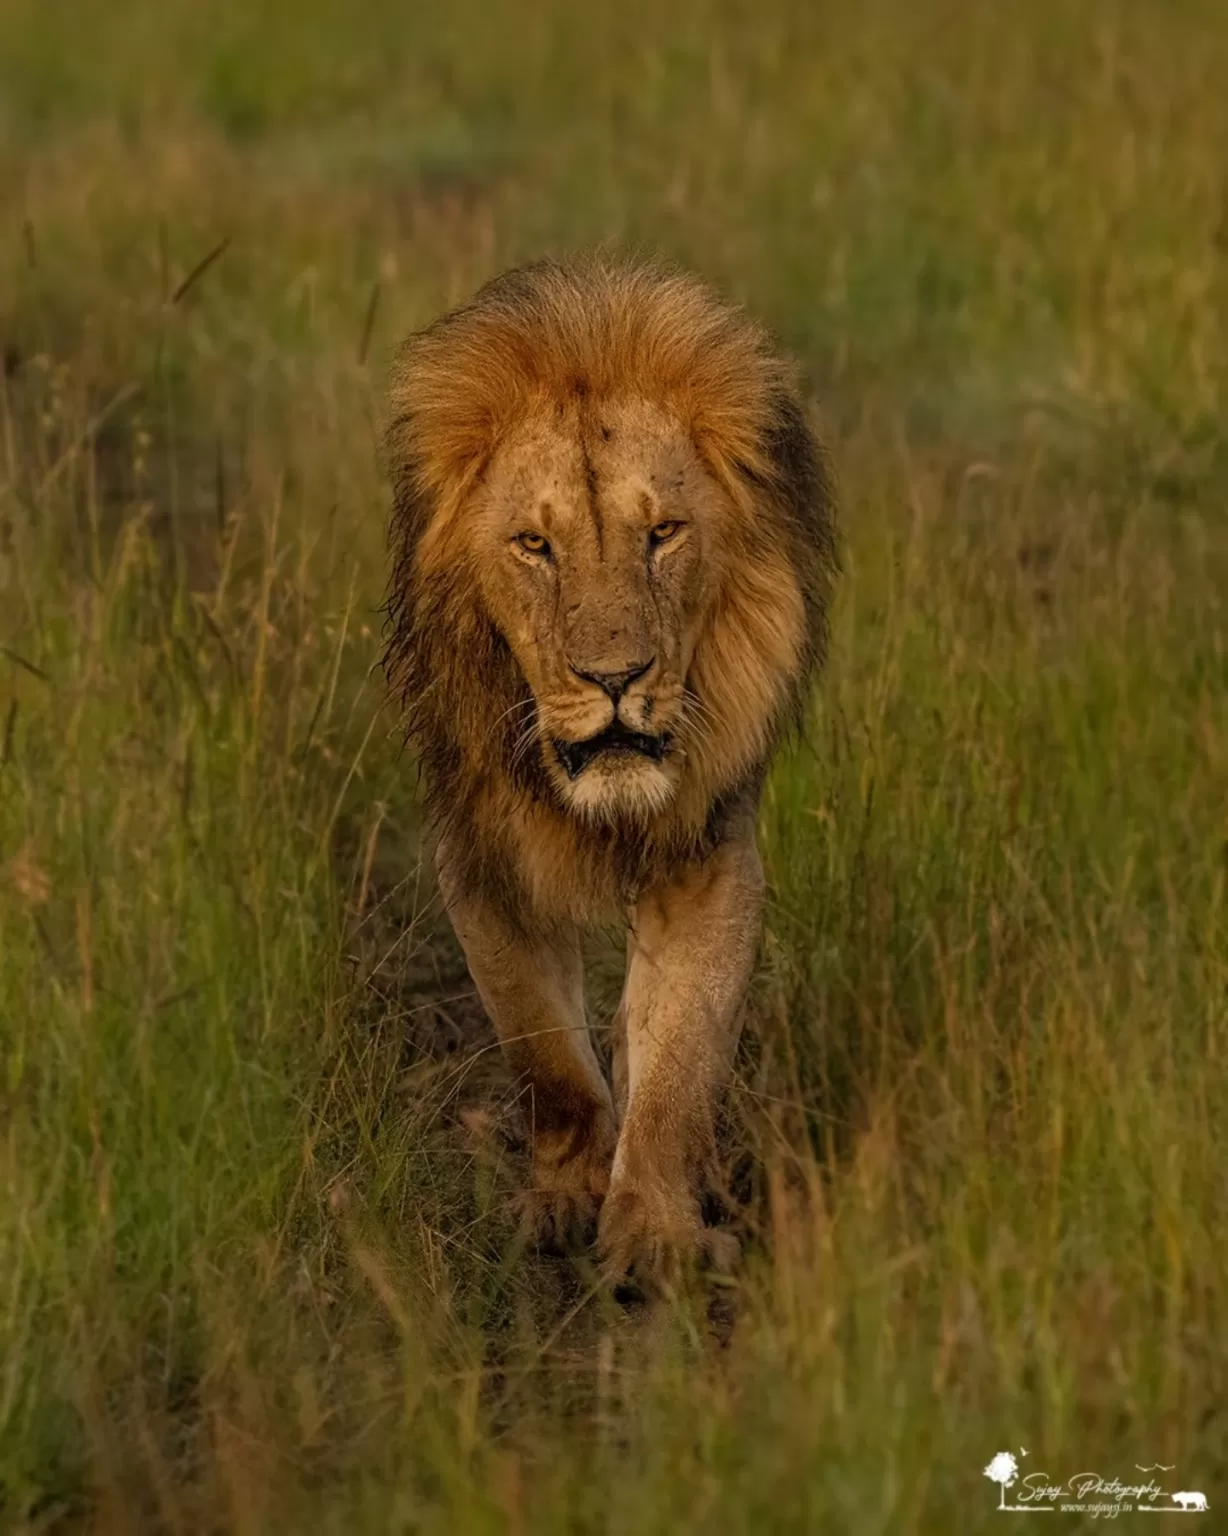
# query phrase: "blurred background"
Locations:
[[257, 1266]]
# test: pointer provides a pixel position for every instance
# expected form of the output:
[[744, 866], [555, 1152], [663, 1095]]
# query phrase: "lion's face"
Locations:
[[596, 533], [612, 548]]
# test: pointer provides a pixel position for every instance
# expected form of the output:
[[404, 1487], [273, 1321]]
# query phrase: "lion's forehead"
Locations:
[[629, 459]]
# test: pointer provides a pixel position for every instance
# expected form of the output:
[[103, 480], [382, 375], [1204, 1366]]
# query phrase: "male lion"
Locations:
[[613, 546]]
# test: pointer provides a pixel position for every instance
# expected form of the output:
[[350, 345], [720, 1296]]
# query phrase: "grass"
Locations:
[[257, 1271]]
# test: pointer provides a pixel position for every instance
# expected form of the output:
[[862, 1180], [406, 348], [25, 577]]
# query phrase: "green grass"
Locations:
[[257, 1267]]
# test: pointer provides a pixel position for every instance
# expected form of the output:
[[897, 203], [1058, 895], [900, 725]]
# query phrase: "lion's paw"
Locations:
[[653, 1236], [559, 1220]]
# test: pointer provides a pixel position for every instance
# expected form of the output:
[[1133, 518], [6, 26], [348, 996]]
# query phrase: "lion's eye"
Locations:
[[532, 543], [664, 532]]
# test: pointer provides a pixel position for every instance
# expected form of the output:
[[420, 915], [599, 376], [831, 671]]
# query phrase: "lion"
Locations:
[[613, 547]]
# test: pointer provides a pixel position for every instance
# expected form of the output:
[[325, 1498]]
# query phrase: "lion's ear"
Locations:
[[443, 410], [781, 463], [790, 446], [803, 492], [411, 502], [786, 481], [799, 471]]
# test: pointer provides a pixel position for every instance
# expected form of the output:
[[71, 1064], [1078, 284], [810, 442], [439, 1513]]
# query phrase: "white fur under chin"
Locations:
[[636, 791]]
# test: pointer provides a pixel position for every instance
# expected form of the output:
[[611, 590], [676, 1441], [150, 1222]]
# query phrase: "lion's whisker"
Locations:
[[521, 705], [524, 742], [511, 710], [708, 712], [701, 723]]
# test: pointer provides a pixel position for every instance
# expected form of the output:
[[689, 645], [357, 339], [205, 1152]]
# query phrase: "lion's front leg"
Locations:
[[533, 991], [692, 950]]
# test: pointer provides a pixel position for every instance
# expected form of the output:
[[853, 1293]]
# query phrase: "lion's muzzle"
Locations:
[[616, 740]]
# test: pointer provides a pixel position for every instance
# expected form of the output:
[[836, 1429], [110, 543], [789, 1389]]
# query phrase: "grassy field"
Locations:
[[258, 1271]]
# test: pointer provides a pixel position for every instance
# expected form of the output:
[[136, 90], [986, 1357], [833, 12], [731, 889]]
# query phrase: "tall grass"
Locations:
[[257, 1270]]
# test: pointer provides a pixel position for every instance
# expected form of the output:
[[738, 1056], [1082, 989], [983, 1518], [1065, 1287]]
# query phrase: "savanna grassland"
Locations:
[[258, 1267]]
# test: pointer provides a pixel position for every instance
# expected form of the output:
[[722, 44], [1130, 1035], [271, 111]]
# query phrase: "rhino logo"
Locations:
[[1190, 1501]]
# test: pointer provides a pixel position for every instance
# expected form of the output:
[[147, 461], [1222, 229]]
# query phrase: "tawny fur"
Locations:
[[587, 333], [651, 447]]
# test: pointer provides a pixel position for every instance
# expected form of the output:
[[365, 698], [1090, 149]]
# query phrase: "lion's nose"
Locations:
[[615, 684]]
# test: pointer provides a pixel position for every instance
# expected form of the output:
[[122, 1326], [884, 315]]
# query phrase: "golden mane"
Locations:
[[549, 332], [590, 330]]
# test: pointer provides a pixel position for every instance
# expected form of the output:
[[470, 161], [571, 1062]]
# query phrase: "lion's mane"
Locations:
[[590, 329]]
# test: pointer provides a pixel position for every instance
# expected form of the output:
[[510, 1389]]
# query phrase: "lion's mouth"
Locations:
[[615, 740]]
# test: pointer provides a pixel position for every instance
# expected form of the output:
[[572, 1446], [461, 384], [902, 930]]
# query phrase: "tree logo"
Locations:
[[1004, 1470]]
